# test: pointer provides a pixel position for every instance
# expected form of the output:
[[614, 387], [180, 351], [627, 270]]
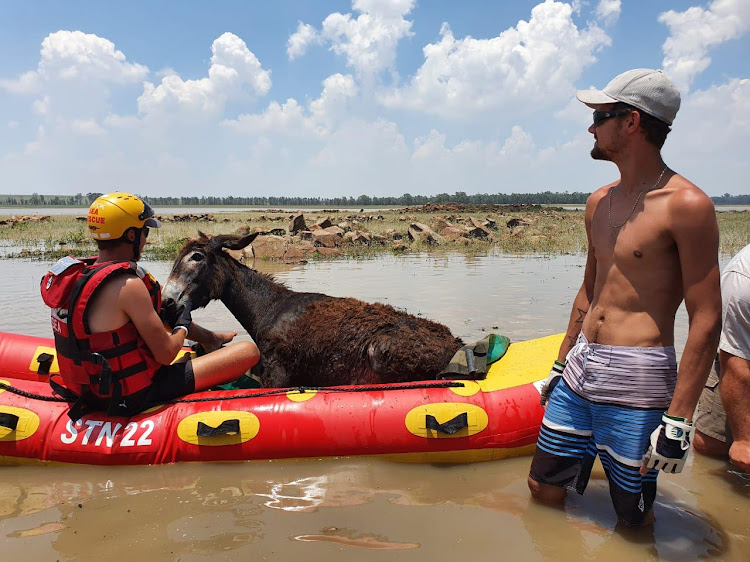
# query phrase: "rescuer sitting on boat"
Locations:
[[113, 350]]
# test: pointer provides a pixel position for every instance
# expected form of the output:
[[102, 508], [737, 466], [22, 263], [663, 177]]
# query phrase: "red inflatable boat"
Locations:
[[426, 421]]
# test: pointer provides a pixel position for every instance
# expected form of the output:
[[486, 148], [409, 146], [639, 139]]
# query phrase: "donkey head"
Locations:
[[202, 269]]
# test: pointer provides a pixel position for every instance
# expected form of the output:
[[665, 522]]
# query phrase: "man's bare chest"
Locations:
[[642, 242]]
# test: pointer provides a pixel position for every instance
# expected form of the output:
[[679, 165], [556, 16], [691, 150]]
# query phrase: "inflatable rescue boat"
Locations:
[[455, 421]]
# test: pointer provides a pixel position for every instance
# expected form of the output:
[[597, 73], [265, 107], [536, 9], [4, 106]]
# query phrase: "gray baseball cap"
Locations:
[[646, 89]]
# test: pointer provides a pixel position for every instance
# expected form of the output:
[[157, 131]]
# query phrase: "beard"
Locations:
[[597, 153], [609, 152], [613, 147]]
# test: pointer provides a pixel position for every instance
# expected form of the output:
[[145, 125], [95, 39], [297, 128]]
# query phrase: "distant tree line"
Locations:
[[728, 199], [37, 200], [546, 197]]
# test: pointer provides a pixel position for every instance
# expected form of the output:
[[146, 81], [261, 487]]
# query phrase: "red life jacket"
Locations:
[[109, 365]]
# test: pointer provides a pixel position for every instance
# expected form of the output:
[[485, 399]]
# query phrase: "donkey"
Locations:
[[308, 339]]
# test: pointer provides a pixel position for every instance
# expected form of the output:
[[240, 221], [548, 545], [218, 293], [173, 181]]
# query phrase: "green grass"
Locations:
[[550, 231]]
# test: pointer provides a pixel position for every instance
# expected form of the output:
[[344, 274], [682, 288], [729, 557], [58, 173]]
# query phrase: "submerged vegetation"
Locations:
[[328, 234]]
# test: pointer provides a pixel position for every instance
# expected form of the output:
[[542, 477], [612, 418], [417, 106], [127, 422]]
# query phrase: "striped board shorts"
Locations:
[[609, 402]]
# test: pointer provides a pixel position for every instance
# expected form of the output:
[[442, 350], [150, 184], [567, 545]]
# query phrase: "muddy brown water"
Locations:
[[356, 508]]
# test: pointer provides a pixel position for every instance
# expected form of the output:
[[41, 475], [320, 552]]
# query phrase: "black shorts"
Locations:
[[170, 382]]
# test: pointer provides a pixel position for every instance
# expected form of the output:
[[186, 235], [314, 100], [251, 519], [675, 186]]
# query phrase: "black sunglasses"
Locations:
[[145, 231], [601, 116]]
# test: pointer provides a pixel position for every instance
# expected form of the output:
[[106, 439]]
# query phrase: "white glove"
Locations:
[[551, 382], [669, 445]]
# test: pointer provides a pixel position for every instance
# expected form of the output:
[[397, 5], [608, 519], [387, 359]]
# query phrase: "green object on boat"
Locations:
[[473, 360], [496, 347]]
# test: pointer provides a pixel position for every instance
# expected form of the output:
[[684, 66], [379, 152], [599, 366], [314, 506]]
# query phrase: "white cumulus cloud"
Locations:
[[718, 166], [278, 118], [292, 119], [368, 42], [608, 11], [695, 31], [333, 102], [297, 44], [513, 125], [77, 56], [76, 76], [536, 62], [87, 127], [233, 69]]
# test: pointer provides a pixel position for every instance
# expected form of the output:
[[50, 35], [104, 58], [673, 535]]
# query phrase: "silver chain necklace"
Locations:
[[616, 226]]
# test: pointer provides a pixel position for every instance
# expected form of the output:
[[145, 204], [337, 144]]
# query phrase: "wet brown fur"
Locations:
[[311, 339]]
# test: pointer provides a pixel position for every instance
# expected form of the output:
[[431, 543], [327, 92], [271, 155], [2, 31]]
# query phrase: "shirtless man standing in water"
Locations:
[[653, 241]]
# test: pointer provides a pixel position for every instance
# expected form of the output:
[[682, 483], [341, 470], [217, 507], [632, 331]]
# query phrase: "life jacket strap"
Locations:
[[82, 403]]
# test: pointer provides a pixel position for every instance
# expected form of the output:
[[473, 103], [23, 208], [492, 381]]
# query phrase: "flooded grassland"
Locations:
[[354, 508], [328, 234]]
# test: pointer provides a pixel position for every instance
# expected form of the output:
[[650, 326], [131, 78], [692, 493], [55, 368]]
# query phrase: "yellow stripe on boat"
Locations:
[[524, 362]]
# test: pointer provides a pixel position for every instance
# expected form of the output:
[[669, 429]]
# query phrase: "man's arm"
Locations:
[[135, 302], [585, 294], [692, 219], [735, 394], [696, 235]]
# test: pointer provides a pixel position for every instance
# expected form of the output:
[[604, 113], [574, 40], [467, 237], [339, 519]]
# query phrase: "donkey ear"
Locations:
[[240, 243]]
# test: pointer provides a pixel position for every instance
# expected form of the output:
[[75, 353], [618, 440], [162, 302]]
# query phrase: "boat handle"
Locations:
[[451, 426], [227, 427], [45, 362], [9, 421]]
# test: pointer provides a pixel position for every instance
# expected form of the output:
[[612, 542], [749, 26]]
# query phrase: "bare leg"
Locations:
[[624, 526], [641, 534], [709, 446], [649, 518], [546, 493], [224, 365]]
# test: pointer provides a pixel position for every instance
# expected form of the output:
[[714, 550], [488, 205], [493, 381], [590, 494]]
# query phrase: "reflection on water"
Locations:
[[343, 508], [339, 509], [349, 537]]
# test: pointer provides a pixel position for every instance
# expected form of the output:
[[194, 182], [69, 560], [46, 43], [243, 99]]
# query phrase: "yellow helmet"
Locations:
[[112, 214]]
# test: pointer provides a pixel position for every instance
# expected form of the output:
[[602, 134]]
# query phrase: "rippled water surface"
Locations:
[[344, 509]]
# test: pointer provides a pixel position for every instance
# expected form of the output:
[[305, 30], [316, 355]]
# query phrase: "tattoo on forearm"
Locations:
[[581, 314]]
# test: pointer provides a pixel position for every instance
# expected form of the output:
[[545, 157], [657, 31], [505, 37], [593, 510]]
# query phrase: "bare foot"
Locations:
[[218, 339]]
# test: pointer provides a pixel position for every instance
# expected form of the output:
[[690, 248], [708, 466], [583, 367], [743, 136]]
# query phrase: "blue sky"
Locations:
[[377, 97]]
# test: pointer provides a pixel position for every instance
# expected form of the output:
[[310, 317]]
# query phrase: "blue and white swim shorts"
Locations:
[[609, 402]]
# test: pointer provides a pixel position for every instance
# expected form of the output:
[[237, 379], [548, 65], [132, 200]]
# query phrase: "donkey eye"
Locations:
[[197, 256]]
